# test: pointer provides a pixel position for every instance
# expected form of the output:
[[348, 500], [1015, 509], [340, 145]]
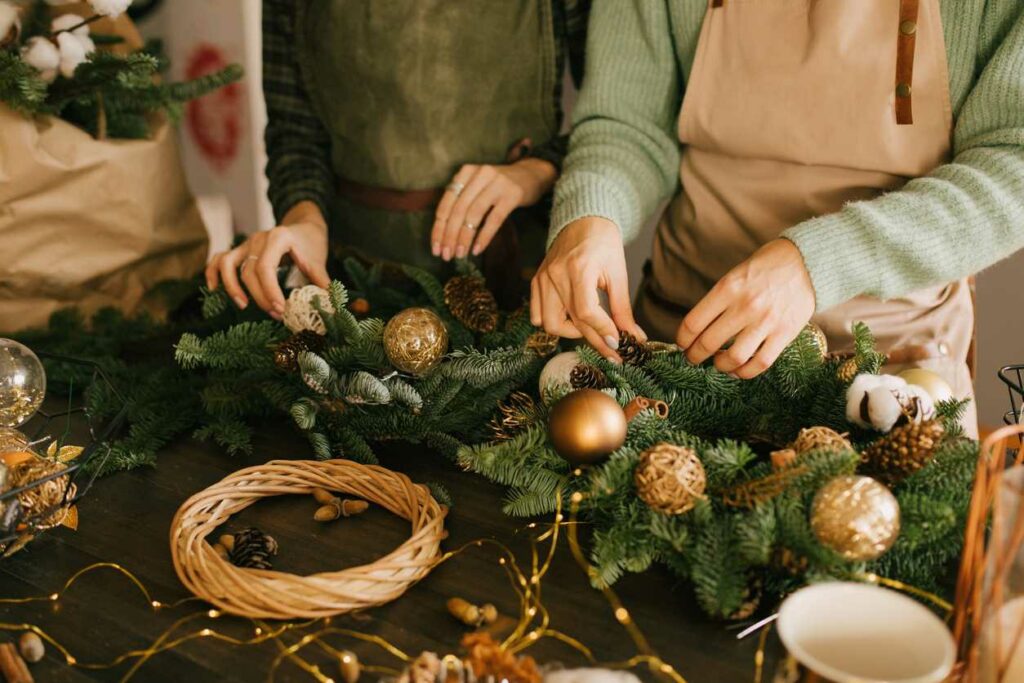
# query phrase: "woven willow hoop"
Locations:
[[266, 594]]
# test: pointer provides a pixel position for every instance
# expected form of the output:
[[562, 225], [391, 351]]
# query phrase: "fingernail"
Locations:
[[733, 375], [612, 342], [460, 251], [279, 307], [447, 253], [240, 302], [477, 250], [436, 249]]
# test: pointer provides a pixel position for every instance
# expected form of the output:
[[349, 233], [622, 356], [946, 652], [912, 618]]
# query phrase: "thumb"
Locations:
[[315, 272], [620, 307]]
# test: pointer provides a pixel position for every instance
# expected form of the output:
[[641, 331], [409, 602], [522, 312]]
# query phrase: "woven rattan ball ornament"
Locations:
[[586, 426], [415, 340], [857, 517], [670, 478], [300, 312], [819, 438]]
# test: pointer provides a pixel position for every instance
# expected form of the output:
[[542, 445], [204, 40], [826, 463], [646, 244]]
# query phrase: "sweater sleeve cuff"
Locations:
[[839, 258], [581, 195]]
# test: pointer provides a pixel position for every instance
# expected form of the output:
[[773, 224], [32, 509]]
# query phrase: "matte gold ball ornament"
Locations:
[[585, 426], [933, 383], [670, 478], [415, 340], [856, 516]]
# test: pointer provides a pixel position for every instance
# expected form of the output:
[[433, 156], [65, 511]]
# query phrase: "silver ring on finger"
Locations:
[[470, 226], [248, 260], [456, 188]]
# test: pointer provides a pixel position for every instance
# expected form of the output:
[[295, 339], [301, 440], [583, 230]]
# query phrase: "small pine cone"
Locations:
[[903, 451], [848, 370], [471, 303], [586, 376], [632, 350], [253, 549], [286, 354], [751, 601], [794, 564]]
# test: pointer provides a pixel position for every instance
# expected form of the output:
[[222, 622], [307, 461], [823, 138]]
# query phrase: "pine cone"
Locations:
[[751, 601], [903, 451], [253, 549], [286, 354], [471, 303], [632, 350], [586, 376], [848, 370]]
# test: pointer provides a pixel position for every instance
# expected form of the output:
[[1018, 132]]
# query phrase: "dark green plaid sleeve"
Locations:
[[298, 145], [571, 39]]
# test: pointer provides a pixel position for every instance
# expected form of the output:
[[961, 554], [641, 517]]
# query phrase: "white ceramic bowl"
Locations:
[[858, 633]]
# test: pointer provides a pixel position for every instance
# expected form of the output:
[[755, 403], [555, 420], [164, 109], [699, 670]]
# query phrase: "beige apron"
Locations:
[[790, 112]]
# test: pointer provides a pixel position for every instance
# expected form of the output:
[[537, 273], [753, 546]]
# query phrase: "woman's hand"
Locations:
[[493, 192], [761, 304], [587, 256], [301, 235]]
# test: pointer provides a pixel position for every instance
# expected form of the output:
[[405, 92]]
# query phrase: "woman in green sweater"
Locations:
[[833, 162], [408, 132]]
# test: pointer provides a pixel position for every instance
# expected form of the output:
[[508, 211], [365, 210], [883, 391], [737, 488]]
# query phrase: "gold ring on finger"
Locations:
[[248, 260]]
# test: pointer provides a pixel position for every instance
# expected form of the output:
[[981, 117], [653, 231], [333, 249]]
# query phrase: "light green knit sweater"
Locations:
[[624, 155]]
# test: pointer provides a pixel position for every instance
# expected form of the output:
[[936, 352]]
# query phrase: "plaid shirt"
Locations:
[[298, 145]]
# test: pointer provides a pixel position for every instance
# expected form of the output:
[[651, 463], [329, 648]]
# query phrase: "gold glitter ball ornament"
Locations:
[[856, 516], [820, 340], [670, 478], [415, 340], [586, 426], [22, 383]]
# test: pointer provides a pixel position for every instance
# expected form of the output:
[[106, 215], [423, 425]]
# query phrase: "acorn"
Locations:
[[31, 647], [465, 611], [323, 496], [339, 508]]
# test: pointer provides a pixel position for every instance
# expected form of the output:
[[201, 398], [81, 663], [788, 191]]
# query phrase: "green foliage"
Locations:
[[109, 95]]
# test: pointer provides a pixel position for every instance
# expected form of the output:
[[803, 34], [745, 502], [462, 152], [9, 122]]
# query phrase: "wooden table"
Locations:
[[125, 519]]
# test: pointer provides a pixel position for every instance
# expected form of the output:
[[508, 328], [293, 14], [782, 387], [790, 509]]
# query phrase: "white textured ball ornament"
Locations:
[[554, 378], [933, 383], [300, 313]]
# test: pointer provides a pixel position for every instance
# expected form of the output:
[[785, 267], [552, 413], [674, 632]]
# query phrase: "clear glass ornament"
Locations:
[[22, 383]]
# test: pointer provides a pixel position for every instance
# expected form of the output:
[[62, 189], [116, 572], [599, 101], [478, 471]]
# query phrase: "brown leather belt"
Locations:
[[387, 199]]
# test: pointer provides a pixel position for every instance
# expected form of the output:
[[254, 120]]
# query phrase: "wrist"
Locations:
[[540, 177], [305, 212]]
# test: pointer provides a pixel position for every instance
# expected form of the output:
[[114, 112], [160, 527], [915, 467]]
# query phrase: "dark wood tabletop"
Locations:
[[125, 519]]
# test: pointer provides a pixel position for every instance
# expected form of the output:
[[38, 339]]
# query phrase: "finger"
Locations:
[[212, 276], [229, 275], [474, 187], [592, 320], [702, 315], [620, 307], [475, 215], [316, 272], [554, 313], [742, 350], [266, 270], [495, 219], [715, 336], [444, 208], [763, 359], [252, 283]]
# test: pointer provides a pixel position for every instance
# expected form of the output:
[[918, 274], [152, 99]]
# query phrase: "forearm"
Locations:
[[623, 158]]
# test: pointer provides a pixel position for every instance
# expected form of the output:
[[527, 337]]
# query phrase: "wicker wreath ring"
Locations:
[[266, 594]]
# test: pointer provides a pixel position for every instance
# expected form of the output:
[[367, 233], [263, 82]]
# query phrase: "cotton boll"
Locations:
[[110, 8], [590, 676], [66, 21], [855, 399], [10, 22], [43, 55], [885, 407], [920, 403], [72, 53]]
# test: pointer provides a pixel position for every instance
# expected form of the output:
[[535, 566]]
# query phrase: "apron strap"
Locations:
[[905, 45]]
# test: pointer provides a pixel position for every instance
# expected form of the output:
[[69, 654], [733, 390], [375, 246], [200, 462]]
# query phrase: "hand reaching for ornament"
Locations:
[[302, 235], [480, 198], [585, 258], [761, 304]]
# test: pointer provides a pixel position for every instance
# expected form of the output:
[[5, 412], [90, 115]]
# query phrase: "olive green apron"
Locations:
[[410, 90]]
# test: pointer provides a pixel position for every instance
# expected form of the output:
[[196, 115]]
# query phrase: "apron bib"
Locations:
[[410, 90], [790, 112]]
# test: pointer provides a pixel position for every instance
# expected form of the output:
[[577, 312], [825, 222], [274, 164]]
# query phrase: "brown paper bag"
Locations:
[[89, 223]]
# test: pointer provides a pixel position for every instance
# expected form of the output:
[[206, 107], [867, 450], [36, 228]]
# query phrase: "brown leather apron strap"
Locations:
[[387, 199], [905, 44]]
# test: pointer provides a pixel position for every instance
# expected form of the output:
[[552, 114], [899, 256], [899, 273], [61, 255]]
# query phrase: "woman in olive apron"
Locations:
[[809, 133], [408, 132]]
